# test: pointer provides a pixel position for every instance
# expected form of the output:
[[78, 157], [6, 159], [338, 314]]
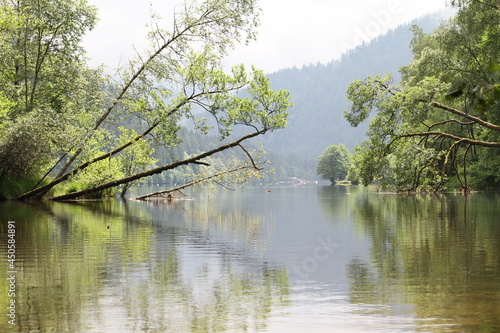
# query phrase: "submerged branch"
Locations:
[[201, 180]]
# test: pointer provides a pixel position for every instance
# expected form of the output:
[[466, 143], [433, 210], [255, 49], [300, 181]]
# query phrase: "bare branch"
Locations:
[[477, 120], [449, 121], [454, 137], [197, 181], [441, 106], [250, 157]]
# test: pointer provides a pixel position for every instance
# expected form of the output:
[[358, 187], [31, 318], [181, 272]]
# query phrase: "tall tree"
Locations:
[[50, 92], [444, 117], [181, 76]]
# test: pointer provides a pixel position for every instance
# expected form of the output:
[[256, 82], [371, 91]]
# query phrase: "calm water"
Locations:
[[306, 259]]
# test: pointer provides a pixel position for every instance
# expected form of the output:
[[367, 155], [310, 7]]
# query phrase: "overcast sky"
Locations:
[[292, 32]]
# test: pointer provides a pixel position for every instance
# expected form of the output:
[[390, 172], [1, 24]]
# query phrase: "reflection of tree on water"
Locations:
[[141, 274], [338, 202], [440, 254]]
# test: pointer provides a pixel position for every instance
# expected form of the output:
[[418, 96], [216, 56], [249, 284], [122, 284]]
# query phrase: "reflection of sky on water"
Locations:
[[294, 260]]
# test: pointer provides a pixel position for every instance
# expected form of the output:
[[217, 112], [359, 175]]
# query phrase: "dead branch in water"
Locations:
[[213, 177]]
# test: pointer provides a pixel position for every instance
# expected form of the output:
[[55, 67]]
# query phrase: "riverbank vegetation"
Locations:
[[440, 126], [69, 131]]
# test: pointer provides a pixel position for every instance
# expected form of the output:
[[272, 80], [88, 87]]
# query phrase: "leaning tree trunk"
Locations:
[[193, 160], [201, 180], [42, 190]]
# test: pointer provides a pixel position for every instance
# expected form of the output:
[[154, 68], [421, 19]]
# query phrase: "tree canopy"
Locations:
[[334, 163], [63, 122], [440, 127]]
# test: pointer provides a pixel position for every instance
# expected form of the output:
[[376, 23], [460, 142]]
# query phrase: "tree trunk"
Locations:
[[197, 181], [41, 191], [193, 160]]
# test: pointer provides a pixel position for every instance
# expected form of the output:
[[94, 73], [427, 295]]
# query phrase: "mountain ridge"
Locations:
[[319, 92]]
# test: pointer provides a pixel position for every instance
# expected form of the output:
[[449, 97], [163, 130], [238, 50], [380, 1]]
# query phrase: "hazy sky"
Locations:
[[292, 32]]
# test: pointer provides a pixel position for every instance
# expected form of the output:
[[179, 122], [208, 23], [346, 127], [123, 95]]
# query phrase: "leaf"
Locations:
[[494, 67], [496, 92]]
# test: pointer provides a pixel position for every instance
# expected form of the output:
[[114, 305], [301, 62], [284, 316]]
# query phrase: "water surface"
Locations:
[[315, 259]]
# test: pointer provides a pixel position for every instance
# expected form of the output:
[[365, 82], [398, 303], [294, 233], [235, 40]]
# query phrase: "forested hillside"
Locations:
[[319, 93], [316, 120]]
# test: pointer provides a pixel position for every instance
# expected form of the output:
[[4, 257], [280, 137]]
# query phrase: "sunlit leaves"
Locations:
[[264, 109], [44, 78], [494, 67], [366, 163], [135, 159], [334, 163], [181, 78], [227, 22], [423, 129]]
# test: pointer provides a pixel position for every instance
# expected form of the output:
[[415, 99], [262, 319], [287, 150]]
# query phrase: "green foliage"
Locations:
[[427, 130], [265, 109], [45, 87], [69, 123], [99, 173], [484, 172], [334, 163], [137, 158], [365, 163]]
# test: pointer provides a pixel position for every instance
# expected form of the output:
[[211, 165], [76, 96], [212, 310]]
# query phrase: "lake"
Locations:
[[296, 259]]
